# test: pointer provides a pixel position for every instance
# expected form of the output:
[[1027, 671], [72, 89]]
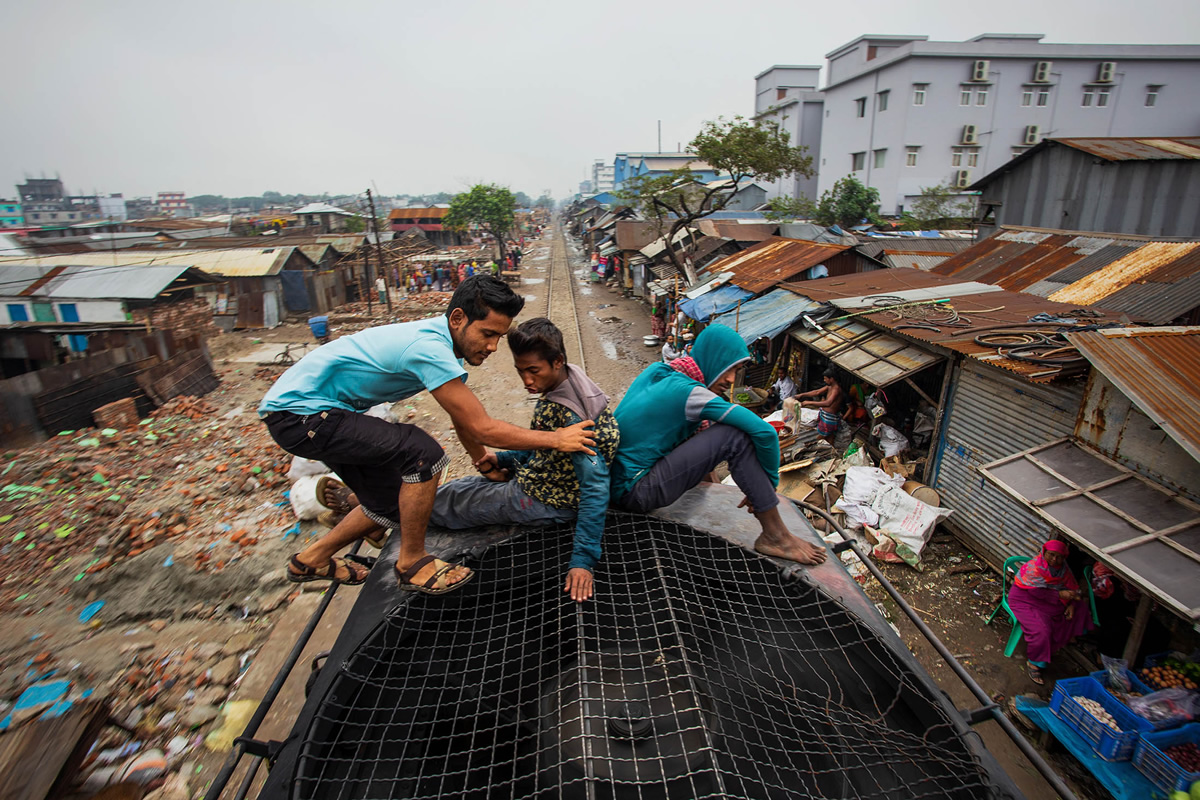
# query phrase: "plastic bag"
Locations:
[[1116, 676], [303, 467], [303, 497], [875, 404], [1172, 706]]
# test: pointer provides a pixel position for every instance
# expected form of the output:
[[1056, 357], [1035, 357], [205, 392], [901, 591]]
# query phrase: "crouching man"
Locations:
[[676, 428], [540, 487], [314, 411]]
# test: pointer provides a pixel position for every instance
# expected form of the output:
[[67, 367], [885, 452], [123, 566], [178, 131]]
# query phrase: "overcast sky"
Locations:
[[238, 98]]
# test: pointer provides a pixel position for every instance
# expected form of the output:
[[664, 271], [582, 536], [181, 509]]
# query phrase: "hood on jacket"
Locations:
[[580, 394], [717, 349]]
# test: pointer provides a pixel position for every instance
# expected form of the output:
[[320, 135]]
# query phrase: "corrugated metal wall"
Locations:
[[992, 415]]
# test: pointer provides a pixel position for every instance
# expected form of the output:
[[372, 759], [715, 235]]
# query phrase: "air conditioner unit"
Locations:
[[1031, 134], [1041, 72], [1107, 71], [969, 134], [962, 179], [979, 70]]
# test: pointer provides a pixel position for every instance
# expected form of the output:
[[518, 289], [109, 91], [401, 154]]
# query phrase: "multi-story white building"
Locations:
[[788, 97], [602, 176], [901, 112]]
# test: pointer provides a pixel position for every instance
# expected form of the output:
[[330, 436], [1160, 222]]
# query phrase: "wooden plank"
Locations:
[[1133, 642], [40, 759], [919, 391], [1023, 453], [1077, 492]]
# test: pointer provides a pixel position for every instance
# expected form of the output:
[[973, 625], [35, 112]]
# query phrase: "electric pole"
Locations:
[[379, 250]]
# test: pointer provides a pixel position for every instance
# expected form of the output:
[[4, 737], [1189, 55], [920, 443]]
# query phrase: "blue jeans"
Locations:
[[474, 501]]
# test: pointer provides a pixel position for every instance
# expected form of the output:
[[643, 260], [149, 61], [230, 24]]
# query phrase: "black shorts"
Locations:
[[372, 456]]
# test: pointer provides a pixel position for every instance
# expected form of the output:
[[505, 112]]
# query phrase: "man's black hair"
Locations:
[[829, 372], [539, 336], [479, 294]]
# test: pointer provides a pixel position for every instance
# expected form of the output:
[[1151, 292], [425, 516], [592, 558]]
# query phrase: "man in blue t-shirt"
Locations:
[[314, 411]]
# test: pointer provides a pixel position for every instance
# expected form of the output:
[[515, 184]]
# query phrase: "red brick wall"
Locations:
[[192, 316]]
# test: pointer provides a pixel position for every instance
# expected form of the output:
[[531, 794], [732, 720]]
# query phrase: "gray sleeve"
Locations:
[[697, 400]]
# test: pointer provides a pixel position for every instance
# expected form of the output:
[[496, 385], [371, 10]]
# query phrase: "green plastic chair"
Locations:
[[1012, 566]]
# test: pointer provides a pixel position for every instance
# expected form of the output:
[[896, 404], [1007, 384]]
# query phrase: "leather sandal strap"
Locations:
[[410, 573]]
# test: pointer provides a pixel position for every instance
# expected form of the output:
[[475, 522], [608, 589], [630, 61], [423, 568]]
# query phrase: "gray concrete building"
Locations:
[[788, 97], [902, 112]]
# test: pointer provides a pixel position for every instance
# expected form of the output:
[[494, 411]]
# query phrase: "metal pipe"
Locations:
[[1027, 749], [264, 706]]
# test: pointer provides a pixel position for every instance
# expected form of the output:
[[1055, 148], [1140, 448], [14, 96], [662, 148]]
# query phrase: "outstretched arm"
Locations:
[[477, 431]]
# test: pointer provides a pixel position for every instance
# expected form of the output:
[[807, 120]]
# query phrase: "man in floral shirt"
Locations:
[[538, 486]]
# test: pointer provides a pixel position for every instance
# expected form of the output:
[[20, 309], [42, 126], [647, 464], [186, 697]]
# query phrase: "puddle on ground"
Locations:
[[610, 349], [527, 280], [585, 290], [529, 297]]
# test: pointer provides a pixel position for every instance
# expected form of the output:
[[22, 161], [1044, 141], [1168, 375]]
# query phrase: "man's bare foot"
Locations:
[[790, 548]]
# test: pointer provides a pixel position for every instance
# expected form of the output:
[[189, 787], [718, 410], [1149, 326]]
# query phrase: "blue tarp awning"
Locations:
[[769, 315], [715, 302]]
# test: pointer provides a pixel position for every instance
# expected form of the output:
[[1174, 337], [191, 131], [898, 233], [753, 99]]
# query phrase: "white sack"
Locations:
[[303, 495]]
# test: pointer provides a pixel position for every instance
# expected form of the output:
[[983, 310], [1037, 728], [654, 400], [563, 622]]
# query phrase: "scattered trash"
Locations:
[[90, 610]]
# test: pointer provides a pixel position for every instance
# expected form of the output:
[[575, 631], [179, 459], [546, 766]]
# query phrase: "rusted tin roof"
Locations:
[[1140, 148], [1150, 279], [773, 260], [982, 306], [1158, 369], [418, 213]]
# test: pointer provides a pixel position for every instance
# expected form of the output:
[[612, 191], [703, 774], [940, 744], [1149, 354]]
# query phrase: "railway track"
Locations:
[[560, 298]]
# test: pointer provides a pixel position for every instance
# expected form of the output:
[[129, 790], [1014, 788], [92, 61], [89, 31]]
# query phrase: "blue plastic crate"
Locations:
[[1156, 765], [1108, 744], [1102, 675]]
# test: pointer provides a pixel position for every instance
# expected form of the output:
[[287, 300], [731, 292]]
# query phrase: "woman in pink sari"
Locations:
[[1047, 601]]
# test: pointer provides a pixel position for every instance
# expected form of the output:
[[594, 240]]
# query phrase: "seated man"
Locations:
[[542, 486], [828, 400], [662, 455], [313, 411]]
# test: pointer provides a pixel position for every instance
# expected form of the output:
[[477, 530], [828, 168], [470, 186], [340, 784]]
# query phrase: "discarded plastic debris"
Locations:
[[90, 610]]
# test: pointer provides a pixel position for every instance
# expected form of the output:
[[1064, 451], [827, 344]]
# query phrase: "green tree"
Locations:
[[357, 224], [848, 203], [789, 209], [938, 208], [738, 150], [487, 206], [545, 201], [522, 200]]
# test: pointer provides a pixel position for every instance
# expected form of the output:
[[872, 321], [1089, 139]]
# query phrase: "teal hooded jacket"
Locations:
[[664, 407]]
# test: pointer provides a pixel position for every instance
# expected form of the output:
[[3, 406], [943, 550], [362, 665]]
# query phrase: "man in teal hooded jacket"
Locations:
[[662, 455]]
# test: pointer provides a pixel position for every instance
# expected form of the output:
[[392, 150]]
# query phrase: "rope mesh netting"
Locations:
[[696, 671]]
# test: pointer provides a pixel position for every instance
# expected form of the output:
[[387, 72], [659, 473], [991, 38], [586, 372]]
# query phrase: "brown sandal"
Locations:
[[1035, 673], [304, 573], [380, 541], [341, 493], [431, 586]]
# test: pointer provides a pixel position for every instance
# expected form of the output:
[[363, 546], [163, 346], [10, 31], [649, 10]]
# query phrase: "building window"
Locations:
[[1016, 151], [880, 157], [919, 93], [1102, 96], [882, 99], [966, 91], [1152, 95], [858, 161], [1043, 96], [780, 94], [910, 156], [1027, 96], [860, 107], [964, 156]]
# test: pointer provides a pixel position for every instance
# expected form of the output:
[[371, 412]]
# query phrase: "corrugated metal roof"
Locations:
[[418, 213], [876, 357], [1158, 369], [240, 263], [96, 282], [1142, 277], [997, 308], [634, 234], [769, 315], [923, 261], [769, 262], [875, 246], [324, 208], [1129, 148]]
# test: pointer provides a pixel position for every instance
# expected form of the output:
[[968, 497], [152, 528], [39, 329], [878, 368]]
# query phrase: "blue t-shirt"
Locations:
[[378, 365]]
